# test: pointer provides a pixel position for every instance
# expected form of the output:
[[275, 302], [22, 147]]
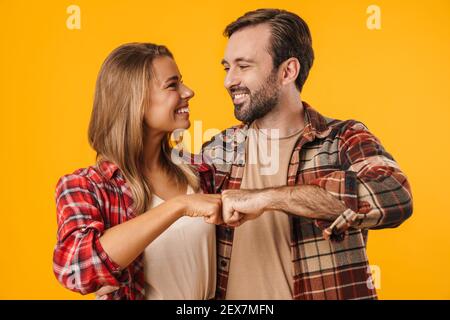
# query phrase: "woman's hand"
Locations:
[[208, 206], [103, 291]]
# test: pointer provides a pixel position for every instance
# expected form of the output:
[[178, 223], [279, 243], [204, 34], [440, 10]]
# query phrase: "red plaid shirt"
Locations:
[[88, 202], [345, 159]]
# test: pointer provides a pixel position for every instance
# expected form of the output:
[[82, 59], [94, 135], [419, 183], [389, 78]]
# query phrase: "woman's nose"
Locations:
[[187, 92]]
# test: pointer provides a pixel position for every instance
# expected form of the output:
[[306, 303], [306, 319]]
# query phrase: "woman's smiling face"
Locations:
[[168, 105]]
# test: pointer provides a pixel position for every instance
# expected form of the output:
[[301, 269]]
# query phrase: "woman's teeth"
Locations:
[[182, 110]]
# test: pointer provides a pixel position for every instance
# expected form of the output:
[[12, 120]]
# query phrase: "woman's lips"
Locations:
[[182, 112]]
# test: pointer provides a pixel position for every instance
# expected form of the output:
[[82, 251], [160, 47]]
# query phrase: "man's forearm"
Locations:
[[306, 201]]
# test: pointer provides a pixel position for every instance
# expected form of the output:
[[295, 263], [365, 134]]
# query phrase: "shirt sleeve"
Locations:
[[79, 261], [371, 184]]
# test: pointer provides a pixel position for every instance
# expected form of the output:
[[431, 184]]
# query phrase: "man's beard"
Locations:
[[261, 103]]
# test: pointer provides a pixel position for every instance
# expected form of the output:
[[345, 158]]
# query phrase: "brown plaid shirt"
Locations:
[[329, 258]]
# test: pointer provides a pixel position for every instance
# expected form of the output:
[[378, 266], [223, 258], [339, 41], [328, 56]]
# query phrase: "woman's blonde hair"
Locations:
[[116, 128]]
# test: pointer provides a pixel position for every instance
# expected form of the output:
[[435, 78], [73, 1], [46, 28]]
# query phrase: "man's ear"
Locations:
[[290, 70]]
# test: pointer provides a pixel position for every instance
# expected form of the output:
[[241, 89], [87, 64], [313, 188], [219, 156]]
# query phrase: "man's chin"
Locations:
[[239, 115], [239, 112], [238, 106]]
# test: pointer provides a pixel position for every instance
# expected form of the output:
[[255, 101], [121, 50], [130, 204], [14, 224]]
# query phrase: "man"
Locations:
[[300, 231]]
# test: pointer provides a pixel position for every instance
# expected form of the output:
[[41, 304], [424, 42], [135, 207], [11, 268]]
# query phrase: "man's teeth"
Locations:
[[183, 110], [239, 96]]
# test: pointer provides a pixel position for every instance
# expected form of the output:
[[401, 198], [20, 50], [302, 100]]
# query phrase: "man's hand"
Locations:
[[239, 206]]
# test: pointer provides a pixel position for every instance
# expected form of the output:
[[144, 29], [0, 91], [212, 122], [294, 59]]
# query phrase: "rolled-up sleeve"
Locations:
[[371, 184], [79, 261]]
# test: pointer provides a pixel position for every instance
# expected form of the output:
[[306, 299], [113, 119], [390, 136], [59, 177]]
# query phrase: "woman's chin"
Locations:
[[182, 124]]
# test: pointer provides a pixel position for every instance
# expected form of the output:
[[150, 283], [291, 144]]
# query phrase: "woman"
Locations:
[[133, 225]]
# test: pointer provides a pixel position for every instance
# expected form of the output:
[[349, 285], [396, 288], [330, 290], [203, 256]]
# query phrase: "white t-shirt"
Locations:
[[181, 263]]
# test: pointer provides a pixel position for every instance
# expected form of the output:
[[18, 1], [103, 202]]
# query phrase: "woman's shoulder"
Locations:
[[88, 178]]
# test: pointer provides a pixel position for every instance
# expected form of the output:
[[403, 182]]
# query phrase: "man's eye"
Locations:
[[243, 67], [172, 85], [226, 69]]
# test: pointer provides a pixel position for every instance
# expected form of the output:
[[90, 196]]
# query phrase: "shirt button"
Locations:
[[223, 263]]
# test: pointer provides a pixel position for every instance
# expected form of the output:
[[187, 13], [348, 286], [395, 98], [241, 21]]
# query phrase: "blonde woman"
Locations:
[[136, 225]]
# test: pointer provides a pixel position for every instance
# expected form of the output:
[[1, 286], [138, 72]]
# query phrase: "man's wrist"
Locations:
[[273, 199]]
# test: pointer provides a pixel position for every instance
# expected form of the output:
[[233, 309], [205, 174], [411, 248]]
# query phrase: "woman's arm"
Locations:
[[80, 262], [124, 242]]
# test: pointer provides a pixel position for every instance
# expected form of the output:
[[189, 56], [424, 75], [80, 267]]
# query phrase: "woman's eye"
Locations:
[[243, 67], [172, 85], [226, 69]]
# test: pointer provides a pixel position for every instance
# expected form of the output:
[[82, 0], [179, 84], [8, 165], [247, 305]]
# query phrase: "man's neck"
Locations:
[[287, 116]]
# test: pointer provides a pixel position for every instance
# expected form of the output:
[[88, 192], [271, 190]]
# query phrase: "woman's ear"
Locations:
[[290, 70]]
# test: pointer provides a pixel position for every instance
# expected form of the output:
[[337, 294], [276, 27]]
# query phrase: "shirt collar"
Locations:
[[315, 126], [107, 168]]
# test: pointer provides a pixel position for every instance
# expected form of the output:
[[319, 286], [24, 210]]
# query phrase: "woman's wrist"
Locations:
[[179, 205]]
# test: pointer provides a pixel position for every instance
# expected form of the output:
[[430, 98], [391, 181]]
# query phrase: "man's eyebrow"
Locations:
[[238, 60]]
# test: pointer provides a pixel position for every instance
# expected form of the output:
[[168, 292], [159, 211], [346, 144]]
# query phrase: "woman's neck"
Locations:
[[152, 151]]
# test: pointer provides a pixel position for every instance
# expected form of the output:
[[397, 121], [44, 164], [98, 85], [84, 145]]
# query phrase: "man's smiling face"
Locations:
[[251, 80]]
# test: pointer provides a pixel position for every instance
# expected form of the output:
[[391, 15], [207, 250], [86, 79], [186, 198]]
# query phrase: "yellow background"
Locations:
[[395, 80]]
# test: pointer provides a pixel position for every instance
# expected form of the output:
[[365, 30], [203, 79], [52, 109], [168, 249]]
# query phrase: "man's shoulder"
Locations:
[[220, 150], [225, 136], [344, 125], [323, 124]]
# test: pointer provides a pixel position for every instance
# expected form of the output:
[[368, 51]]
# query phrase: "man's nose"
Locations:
[[231, 80]]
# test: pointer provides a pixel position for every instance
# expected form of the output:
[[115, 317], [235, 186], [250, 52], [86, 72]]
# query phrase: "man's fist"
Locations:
[[239, 206]]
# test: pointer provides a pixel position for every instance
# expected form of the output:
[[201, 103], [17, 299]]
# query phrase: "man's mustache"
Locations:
[[234, 90]]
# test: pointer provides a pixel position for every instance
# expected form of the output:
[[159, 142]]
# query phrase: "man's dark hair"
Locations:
[[290, 37]]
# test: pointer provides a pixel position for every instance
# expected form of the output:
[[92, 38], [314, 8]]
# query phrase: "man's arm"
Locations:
[[304, 200], [375, 192]]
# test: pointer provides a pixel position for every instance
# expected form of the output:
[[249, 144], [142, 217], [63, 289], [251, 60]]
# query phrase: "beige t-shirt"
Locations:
[[181, 263], [261, 266]]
